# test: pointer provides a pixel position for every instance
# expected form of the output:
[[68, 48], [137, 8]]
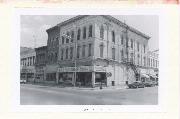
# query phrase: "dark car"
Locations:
[[136, 84], [148, 84]]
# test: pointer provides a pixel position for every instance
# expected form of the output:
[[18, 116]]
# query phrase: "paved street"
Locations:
[[44, 95]]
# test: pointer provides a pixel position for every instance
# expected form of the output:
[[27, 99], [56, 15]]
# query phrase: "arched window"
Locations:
[[102, 32]]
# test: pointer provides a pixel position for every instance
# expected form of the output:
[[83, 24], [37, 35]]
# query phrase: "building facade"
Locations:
[[27, 65], [96, 49], [153, 65], [40, 65]]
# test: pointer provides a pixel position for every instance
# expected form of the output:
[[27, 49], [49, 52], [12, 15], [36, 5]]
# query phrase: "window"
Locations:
[[132, 57], [72, 36], [57, 41], [122, 39], [79, 34], [127, 41], [90, 31], [144, 61], [89, 50], [83, 51], [102, 32], [101, 50], [113, 36], [67, 39], [56, 56], [131, 43], [66, 53], [84, 33], [113, 53], [62, 54], [138, 59], [144, 48], [71, 52], [122, 54], [62, 39], [138, 46], [78, 51]]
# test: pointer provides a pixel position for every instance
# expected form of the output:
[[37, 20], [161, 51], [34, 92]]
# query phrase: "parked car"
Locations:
[[148, 84], [136, 84], [23, 81]]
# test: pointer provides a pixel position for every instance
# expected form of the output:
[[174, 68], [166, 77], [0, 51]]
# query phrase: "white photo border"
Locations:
[[15, 56]]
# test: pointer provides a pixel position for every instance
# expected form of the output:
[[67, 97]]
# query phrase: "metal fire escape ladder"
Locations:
[[129, 62]]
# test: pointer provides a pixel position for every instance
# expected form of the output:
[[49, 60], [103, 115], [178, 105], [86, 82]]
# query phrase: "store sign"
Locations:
[[27, 71], [82, 69], [77, 69], [99, 69]]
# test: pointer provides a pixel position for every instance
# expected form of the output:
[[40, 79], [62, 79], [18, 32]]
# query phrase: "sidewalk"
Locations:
[[77, 88]]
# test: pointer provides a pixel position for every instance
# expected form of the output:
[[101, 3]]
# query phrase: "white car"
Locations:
[[23, 81]]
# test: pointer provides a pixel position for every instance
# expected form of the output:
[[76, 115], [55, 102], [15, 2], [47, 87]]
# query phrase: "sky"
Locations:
[[33, 28]]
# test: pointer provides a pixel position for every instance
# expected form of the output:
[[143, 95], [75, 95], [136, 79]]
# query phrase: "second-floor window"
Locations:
[[144, 49], [62, 39], [101, 50], [138, 46], [89, 50], [78, 51], [79, 34], [83, 50], [122, 54], [102, 32], [113, 36], [84, 33], [113, 53], [62, 54], [144, 61], [122, 40], [90, 31], [66, 53], [131, 43], [138, 59], [71, 52]]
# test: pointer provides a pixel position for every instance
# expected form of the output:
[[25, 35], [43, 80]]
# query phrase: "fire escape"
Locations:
[[130, 61]]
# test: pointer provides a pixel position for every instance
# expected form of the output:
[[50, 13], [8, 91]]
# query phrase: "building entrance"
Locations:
[[84, 78]]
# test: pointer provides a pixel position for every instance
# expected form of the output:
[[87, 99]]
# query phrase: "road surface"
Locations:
[[44, 95]]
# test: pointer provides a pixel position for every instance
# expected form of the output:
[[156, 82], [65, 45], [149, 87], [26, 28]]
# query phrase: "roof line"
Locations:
[[105, 16]]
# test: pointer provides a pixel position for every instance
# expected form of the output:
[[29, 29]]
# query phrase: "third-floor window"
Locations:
[[102, 32], [90, 31], [79, 34], [72, 36], [84, 33], [138, 46], [113, 36]]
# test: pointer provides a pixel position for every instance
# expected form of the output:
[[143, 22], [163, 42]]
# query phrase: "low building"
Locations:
[[27, 62], [153, 65], [40, 65]]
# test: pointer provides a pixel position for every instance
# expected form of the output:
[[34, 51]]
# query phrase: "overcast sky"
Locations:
[[34, 27]]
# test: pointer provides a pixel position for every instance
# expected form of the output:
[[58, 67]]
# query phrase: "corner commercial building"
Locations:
[[96, 49]]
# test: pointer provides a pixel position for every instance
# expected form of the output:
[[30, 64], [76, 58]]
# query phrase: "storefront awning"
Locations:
[[144, 75]]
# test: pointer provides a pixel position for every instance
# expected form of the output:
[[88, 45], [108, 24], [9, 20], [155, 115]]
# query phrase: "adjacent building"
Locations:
[[40, 65], [27, 62]]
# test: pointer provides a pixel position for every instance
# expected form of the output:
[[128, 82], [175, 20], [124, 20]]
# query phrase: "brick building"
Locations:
[[97, 49], [40, 65]]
